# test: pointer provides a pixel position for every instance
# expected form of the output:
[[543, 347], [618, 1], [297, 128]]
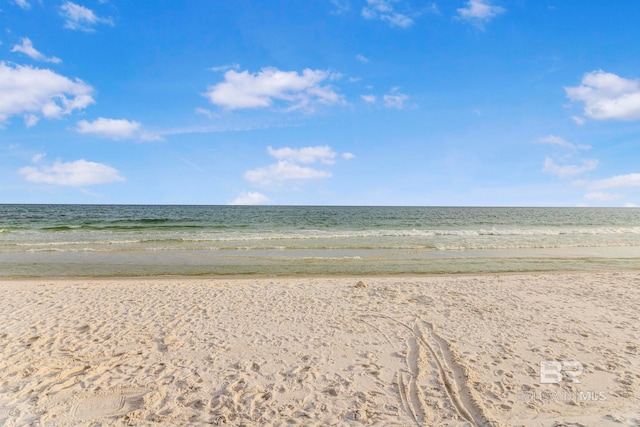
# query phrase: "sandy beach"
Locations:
[[347, 351]]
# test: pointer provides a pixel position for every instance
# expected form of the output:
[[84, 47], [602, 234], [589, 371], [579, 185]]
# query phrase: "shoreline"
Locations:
[[453, 350], [308, 276]]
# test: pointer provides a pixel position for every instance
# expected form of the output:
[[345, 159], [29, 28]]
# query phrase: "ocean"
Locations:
[[131, 240]]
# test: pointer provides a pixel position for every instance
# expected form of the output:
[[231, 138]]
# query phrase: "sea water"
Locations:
[[128, 240]]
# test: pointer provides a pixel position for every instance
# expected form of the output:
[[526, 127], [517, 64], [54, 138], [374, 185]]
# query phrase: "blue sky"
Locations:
[[325, 102]]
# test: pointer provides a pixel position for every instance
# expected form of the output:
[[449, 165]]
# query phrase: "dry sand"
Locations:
[[389, 351]]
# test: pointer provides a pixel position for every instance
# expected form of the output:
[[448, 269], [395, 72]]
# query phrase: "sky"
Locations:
[[320, 102]]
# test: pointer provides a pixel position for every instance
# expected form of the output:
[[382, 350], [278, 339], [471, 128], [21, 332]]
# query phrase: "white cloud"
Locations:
[[362, 59], [28, 90], [288, 169], [607, 96], [81, 18], [395, 100], [278, 173], [628, 180], [205, 112], [37, 157], [117, 129], [225, 67], [24, 4], [31, 120], [631, 205], [27, 48], [568, 171], [109, 128], [250, 198], [75, 174], [259, 90], [341, 6], [322, 153], [601, 196], [479, 11], [578, 120], [561, 142], [384, 11]]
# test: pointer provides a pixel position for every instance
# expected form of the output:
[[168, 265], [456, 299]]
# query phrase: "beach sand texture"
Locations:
[[348, 351]]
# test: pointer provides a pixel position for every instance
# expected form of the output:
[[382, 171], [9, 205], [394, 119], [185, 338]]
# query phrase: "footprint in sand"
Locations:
[[108, 405], [5, 414]]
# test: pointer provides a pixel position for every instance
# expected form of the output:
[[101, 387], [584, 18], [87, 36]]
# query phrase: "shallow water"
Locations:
[[93, 240]]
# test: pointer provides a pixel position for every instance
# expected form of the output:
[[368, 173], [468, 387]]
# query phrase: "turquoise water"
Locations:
[[92, 240]]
